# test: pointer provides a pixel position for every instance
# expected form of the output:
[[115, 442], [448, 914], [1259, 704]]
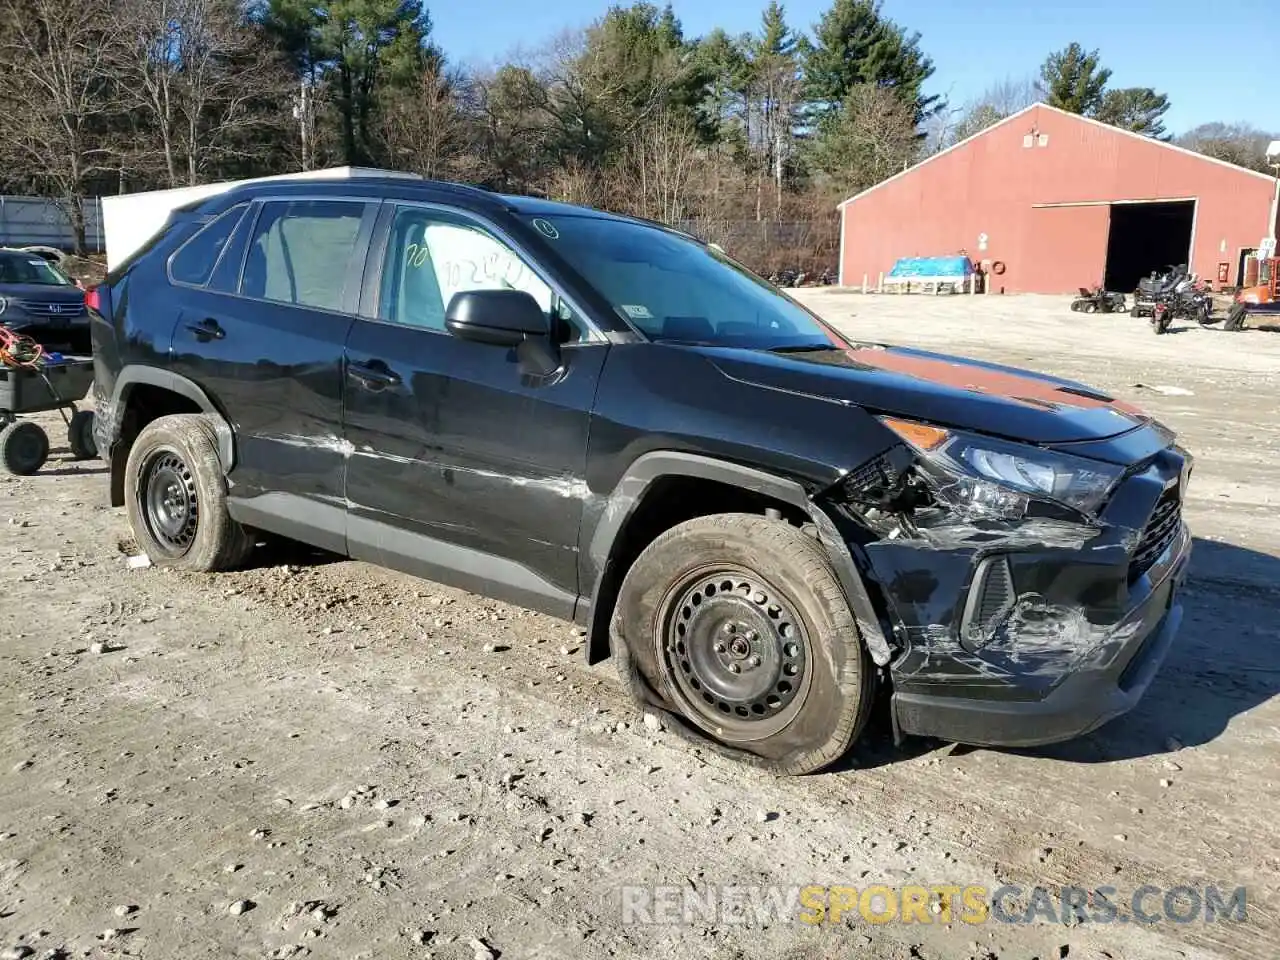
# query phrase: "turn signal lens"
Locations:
[[922, 436]]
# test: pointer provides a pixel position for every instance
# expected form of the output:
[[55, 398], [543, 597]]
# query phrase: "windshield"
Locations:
[[29, 268], [677, 290]]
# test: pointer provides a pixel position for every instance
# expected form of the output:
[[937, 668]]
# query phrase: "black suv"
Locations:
[[614, 423]]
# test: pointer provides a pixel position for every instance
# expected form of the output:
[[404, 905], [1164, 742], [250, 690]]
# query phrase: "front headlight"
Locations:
[[998, 478]]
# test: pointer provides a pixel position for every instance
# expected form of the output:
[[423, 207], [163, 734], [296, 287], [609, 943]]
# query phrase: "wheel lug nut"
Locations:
[[730, 628], [734, 668], [754, 661], [719, 648]]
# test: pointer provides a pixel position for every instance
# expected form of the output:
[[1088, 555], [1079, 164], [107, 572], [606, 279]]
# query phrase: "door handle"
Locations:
[[207, 330], [373, 375]]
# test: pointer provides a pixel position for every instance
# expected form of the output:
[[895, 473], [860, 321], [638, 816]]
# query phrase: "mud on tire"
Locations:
[[758, 597], [176, 497]]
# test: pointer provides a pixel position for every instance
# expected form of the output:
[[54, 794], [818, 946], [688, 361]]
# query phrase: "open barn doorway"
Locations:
[[1146, 237]]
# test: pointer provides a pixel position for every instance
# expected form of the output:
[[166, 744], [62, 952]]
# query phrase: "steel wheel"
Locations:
[[735, 653], [170, 504]]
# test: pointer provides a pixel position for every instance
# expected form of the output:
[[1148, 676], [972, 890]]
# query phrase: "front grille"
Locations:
[[44, 308], [1159, 532]]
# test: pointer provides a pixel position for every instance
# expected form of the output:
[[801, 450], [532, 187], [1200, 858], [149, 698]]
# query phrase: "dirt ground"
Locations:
[[318, 758]]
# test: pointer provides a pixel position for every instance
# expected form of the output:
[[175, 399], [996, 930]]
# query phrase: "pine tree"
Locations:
[[1074, 80], [855, 43], [357, 45], [1138, 109]]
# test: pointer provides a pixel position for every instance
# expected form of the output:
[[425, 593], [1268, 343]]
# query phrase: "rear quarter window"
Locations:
[[194, 261]]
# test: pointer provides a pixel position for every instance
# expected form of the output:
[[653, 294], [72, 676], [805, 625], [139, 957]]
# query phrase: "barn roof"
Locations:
[[1072, 116]]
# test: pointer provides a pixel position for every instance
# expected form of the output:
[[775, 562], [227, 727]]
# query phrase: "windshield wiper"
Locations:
[[801, 348]]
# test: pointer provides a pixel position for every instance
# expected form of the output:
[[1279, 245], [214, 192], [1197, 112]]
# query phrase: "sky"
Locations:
[[1171, 45]]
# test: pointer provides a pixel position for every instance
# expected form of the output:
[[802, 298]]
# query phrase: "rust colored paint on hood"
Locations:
[[980, 379]]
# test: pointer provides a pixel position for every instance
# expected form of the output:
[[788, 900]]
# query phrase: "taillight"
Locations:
[[93, 298]]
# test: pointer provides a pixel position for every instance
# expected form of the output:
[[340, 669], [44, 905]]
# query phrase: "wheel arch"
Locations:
[[614, 542], [142, 394]]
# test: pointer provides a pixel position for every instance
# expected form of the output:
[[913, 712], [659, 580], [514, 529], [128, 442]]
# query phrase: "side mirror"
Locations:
[[502, 318]]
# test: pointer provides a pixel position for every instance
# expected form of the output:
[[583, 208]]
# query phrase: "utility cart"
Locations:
[[54, 384]]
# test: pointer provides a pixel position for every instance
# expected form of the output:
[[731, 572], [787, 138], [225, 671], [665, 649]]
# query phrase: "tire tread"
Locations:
[[791, 545], [220, 543]]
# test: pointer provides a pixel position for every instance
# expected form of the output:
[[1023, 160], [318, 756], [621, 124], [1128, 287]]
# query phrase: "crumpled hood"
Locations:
[[934, 387]]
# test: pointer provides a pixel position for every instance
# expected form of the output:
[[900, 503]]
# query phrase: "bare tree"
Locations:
[[998, 101], [423, 128], [203, 78], [56, 96], [662, 157], [576, 182], [1238, 143], [873, 137], [511, 128]]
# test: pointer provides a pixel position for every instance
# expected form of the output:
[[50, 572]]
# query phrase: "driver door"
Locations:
[[464, 469]]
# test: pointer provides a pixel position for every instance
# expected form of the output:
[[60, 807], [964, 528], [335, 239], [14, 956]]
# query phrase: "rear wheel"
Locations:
[[737, 626], [177, 497], [1090, 307]]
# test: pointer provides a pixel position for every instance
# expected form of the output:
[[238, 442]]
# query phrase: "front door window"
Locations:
[[431, 256]]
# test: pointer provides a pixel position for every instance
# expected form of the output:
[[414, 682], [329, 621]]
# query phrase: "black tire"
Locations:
[[176, 497], [24, 447], [80, 435], [1075, 306], [1090, 307], [767, 599]]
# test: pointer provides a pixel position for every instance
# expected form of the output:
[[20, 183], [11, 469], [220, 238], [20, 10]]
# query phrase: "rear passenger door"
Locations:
[[264, 338]]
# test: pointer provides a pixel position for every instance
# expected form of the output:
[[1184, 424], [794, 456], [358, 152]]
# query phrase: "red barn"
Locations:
[[1057, 201]]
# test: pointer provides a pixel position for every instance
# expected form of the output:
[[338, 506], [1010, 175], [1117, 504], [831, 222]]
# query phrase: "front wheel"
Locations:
[[176, 497], [736, 626]]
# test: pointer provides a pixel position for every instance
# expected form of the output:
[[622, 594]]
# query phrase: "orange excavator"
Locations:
[[1259, 300]]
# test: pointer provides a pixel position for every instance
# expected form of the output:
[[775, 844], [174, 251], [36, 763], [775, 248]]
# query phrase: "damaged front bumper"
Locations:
[[1030, 632]]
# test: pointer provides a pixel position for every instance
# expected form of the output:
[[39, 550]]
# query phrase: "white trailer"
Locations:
[[131, 219]]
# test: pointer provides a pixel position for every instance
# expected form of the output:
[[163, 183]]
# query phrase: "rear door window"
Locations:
[[194, 262], [301, 251]]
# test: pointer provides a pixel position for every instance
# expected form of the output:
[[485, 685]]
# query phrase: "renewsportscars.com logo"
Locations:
[[674, 905]]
